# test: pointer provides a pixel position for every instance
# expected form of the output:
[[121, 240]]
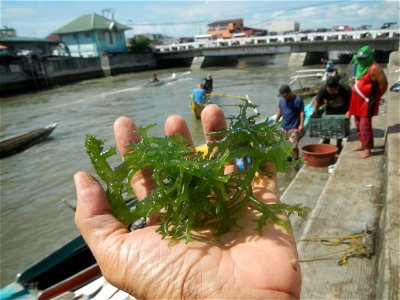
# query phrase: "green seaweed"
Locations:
[[191, 189]]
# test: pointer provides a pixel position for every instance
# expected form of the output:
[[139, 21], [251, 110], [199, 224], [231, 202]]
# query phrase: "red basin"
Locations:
[[319, 155]]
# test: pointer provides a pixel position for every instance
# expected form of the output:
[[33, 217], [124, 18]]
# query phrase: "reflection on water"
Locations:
[[34, 221]]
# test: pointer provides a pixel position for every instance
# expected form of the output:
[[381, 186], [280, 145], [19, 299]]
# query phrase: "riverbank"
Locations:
[[27, 73], [360, 195]]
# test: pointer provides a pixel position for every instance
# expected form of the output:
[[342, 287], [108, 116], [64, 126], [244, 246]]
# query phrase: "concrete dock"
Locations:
[[349, 245]]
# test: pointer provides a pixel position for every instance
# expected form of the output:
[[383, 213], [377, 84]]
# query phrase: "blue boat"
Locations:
[[67, 268]]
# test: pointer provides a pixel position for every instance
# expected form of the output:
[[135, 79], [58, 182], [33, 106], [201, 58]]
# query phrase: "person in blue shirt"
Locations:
[[291, 109], [199, 94]]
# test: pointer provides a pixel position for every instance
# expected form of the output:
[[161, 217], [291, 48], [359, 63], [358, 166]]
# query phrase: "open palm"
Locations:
[[243, 265]]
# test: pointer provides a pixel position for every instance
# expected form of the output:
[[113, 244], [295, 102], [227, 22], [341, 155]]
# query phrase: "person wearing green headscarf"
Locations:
[[363, 60], [371, 83]]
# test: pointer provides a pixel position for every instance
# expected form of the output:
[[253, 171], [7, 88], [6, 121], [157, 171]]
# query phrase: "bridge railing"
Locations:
[[286, 38]]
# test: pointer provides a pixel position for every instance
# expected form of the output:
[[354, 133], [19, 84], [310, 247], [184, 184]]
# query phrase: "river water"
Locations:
[[34, 183]]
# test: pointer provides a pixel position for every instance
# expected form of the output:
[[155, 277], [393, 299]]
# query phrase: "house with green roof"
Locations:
[[92, 35]]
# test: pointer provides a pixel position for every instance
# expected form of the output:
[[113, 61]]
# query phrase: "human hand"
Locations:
[[243, 265]]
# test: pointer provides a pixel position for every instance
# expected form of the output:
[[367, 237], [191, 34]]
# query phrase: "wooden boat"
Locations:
[[60, 271], [197, 108], [70, 272], [307, 92], [162, 81], [217, 98], [19, 143]]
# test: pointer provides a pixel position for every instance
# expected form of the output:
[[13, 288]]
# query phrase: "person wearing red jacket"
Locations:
[[371, 83]]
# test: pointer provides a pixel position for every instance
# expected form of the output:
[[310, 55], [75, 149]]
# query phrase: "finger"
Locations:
[[93, 212], [176, 125], [124, 133], [212, 119]]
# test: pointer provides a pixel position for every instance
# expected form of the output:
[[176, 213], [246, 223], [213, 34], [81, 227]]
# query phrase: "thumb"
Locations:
[[93, 215]]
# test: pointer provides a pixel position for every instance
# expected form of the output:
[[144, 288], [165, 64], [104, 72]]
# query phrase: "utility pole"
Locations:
[[109, 11]]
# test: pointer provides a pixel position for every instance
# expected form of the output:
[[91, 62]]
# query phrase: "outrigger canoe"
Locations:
[[19, 143]]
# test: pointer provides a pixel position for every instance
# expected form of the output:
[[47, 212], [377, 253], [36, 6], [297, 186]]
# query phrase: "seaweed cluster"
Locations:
[[191, 188]]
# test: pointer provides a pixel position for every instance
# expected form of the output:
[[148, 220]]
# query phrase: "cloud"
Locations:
[[17, 11]]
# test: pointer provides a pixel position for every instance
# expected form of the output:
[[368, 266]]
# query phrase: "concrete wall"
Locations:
[[18, 74], [306, 58], [388, 284]]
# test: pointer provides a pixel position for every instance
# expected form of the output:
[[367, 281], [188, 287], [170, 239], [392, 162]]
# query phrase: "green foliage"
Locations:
[[191, 189], [140, 44]]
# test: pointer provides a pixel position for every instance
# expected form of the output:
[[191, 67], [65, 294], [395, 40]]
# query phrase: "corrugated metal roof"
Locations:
[[225, 22], [90, 22], [20, 39]]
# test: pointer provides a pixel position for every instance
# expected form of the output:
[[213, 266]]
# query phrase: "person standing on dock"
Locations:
[[371, 83], [337, 97], [291, 109]]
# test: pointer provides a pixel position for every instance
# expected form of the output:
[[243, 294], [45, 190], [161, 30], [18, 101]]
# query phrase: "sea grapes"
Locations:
[[190, 188]]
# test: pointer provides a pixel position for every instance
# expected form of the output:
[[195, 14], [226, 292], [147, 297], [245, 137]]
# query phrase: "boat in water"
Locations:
[[24, 141], [154, 83], [197, 108], [70, 272], [318, 77]]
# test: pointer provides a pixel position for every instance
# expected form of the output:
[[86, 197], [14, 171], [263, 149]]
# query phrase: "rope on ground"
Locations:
[[359, 244]]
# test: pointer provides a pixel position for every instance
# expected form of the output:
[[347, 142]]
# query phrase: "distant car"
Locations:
[[388, 25], [342, 28], [364, 27]]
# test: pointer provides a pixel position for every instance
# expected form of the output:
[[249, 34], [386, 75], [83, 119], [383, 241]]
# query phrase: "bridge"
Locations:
[[305, 48]]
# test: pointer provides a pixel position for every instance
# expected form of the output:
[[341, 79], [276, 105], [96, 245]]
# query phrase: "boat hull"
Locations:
[[197, 109], [22, 142]]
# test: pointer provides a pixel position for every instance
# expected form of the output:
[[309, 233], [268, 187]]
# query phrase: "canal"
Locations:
[[34, 183]]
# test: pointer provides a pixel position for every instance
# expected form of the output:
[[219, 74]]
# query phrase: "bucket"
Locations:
[[319, 155]]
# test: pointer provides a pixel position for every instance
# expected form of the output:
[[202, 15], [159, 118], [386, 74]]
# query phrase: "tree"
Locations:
[[139, 44]]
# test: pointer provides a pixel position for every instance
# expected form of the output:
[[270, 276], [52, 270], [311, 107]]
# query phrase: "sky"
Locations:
[[189, 18]]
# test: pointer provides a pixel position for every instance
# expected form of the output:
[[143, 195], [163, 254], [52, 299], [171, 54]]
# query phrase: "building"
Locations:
[[232, 28], [283, 26], [19, 46], [225, 28], [7, 32], [159, 39], [92, 35]]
